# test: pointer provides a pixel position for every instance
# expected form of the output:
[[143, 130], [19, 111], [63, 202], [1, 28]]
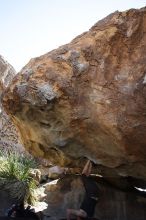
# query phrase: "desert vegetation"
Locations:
[[15, 176]]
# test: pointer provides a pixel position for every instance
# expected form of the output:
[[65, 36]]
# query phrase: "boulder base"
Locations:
[[112, 203]]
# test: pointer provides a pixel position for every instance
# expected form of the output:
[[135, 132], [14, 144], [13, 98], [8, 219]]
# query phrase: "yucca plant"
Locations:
[[14, 175]]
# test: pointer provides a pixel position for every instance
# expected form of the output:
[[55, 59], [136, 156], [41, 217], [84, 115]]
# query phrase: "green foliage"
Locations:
[[14, 175]]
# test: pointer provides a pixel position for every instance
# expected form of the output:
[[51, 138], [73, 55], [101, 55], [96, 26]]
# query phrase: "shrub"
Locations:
[[14, 175]]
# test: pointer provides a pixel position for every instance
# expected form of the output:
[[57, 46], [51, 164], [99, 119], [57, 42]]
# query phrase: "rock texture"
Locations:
[[9, 137], [7, 73], [87, 99], [112, 203]]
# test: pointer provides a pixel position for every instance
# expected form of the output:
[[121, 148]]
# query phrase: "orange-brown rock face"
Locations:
[[88, 98]]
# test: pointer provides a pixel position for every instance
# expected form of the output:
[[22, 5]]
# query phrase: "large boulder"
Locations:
[[9, 136], [87, 99]]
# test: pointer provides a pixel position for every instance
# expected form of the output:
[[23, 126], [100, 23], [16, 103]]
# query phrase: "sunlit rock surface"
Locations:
[[7, 73], [87, 99], [9, 137]]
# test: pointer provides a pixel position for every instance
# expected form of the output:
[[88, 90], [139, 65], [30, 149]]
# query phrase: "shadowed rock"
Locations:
[[112, 204]]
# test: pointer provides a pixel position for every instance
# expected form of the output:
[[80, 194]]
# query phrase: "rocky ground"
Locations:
[[58, 195]]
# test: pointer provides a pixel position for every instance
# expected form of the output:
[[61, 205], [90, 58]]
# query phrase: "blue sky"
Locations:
[[30, 28]]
